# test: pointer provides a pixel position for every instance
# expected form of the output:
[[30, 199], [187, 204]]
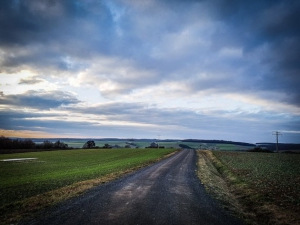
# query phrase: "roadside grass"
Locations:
[[30, 185], [262, 188]]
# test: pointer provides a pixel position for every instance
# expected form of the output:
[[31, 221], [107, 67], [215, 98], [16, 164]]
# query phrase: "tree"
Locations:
[[5, 143], [107, 146], [60, 145], [28, 144], [47, 144], [89, 144]]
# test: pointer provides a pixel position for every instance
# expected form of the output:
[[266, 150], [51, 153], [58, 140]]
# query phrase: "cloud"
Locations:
[[26, 20], [181, 117], [159, 53], [33, 20], [143, 120], [280, 20], [39, 99], [30, 80], [41, 34], [115, 76], [149, 43]]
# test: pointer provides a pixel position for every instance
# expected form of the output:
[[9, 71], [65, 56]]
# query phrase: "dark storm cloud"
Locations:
[[24, 21], [44, 33], [281, 20], [39, 99], [278, 27], [28, 21], [252, 25], [41, 34]]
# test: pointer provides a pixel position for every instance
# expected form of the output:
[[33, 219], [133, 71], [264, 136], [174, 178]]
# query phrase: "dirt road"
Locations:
[[167, 192]]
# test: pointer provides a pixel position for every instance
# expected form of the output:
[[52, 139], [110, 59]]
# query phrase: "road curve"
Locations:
[[167, 192]]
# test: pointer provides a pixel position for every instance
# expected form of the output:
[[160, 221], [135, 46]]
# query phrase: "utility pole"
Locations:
[[276, 133]]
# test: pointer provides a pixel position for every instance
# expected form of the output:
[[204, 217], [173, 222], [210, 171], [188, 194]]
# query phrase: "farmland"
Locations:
[[56, 169], [143, 143], [266, 185], [122, 143], [78, 143]]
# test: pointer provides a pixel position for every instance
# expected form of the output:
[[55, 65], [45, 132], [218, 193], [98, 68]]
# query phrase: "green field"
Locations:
[[274, 178], [55, 169], [78, 143], [213, 146], [232, 147], [121, 143]]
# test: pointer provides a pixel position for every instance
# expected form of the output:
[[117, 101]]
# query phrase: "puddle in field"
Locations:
[[18, 159]]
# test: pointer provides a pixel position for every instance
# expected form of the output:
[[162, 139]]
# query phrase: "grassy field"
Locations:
[[231, 147], [52, 170], [266, 184], [121, 143], [227, 147], [77, 143]]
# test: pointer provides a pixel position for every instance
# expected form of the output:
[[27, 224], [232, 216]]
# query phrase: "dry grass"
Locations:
[[239, 196], [28, 207], [215, 184]]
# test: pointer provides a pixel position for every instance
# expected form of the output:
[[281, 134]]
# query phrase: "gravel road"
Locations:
[[167, 192]]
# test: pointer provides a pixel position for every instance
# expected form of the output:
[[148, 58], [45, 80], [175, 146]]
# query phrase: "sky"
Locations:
[[207, 69]]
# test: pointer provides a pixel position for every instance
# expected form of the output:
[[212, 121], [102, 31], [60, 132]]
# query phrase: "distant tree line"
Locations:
[[260, 149], [8, 143], [155, 145], [218, 142], [185, 146], [281, 146], [92, 144]]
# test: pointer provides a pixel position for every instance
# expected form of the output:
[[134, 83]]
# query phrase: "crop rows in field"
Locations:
[[54, 169], [275, 176]]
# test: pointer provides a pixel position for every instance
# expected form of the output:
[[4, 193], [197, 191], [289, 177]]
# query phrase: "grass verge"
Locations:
[[120, 162], [236, 187]]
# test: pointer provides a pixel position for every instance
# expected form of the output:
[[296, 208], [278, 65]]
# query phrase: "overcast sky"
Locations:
[[210, 69]]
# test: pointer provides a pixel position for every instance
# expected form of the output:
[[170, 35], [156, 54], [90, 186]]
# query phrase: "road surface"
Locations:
[[167, 192]]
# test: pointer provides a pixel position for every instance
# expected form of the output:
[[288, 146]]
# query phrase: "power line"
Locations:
[[276, 133]]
